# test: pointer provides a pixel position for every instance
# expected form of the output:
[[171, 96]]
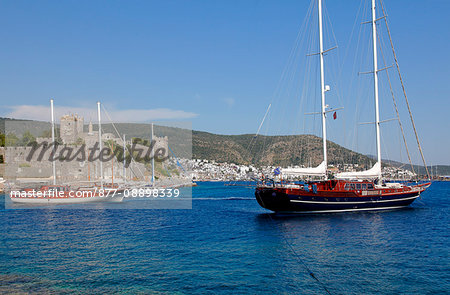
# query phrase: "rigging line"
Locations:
[[358, 43], [118, 134], [311, 33], [404, 91], [358, 59], [337, 69], [252, 141], [351, 37], [302, 262], [178, 163], [395, 106], [262, 122], [307, 80], [389, 159], [334, 70], [293, 87], [172, 179], [401, 154], [250, 144], [365, 59], [293, 57], [287, 78]]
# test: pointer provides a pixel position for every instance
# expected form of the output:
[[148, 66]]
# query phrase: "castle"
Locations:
[[71, 128], [72, 133]]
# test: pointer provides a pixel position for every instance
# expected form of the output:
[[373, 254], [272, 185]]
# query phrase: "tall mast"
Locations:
[[153, 159], [53, 142], [375, 81], [100, 142], [124, 152], [322, 88], [112, 164]]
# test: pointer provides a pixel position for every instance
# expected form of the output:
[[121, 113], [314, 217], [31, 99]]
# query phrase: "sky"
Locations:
[[214, 63]]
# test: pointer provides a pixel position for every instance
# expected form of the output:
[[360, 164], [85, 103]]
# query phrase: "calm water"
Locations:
[[227, 244]]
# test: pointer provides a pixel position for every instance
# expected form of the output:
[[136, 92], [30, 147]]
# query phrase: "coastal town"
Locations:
[[25, 164], [225, 147], [205, 170]]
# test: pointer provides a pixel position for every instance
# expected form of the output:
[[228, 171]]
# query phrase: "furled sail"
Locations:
[[320, 170], [373, 172]]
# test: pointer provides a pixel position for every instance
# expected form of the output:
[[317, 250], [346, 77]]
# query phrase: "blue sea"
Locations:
[[227, 244]]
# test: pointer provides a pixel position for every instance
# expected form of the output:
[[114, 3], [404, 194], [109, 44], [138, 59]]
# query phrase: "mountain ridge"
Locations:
[[275, 150]]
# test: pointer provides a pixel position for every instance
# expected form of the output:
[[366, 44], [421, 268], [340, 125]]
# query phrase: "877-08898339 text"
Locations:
[[151, 193]]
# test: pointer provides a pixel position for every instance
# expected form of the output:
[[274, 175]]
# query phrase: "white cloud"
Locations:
[[42, 113]]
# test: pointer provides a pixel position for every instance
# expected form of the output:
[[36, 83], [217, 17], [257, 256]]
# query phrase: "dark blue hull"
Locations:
[[275, 200]]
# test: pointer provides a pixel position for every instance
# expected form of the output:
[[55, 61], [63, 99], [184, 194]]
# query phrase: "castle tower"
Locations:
[[71, 128], [80, 125]]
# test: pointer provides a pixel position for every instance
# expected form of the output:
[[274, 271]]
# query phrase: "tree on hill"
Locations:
[[27, 138], [46, 133], [11, 139]]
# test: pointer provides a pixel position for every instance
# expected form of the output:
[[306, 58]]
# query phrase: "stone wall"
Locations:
[[75, 170]]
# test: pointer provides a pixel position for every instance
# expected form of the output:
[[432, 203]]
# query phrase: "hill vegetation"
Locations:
[[270, 150], [239, 149]]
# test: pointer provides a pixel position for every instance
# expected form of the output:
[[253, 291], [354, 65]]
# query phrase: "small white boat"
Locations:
[[64, 194], [60, 194]]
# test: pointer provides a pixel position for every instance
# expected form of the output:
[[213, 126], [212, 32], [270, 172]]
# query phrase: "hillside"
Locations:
[[239, 149], [420, 169], [270, 150]]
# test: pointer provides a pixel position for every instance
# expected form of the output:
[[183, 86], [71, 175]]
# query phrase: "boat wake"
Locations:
[[223, 199]]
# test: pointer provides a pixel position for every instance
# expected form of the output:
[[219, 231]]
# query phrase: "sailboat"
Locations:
[[64, 194], [347, 191]]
